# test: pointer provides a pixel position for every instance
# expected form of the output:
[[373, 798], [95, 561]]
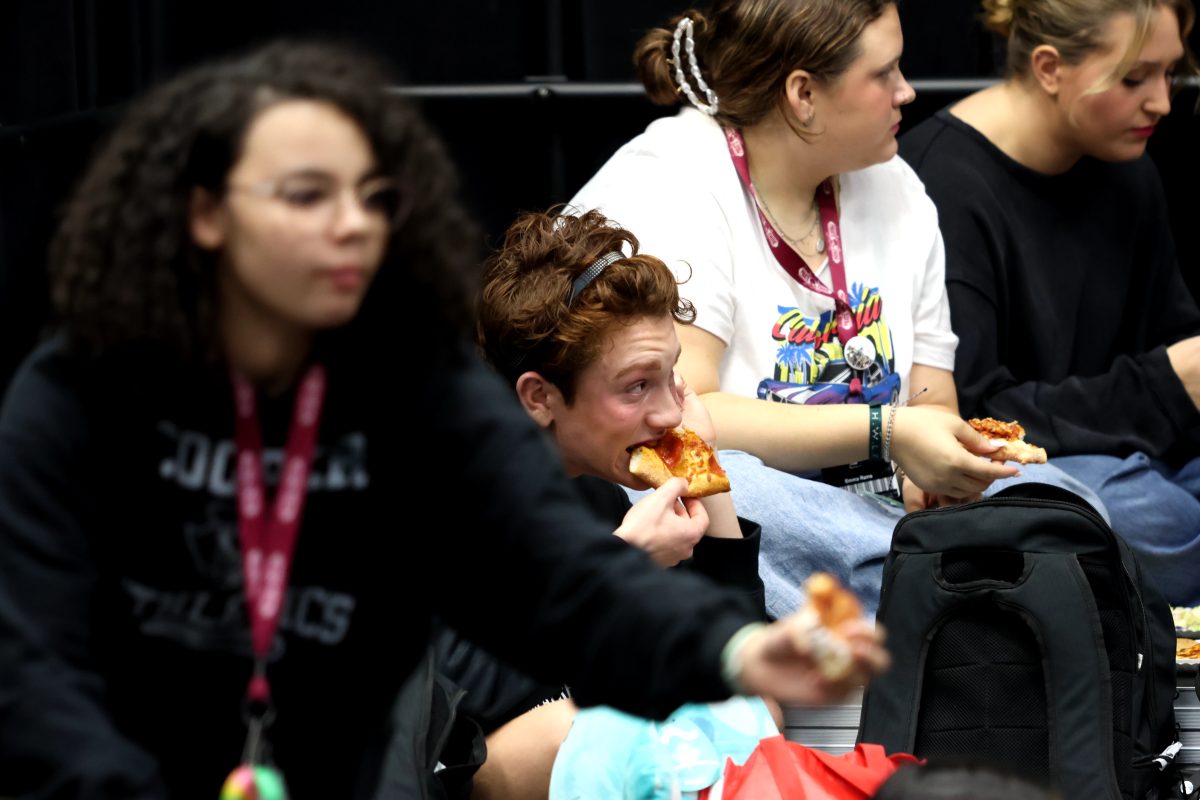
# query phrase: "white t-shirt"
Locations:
[[675, 187]]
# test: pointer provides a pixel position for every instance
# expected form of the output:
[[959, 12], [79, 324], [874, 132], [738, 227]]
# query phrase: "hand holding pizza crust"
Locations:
[[664, 524], [940, 452], [1011, 438], [827, 606], [786, 660]]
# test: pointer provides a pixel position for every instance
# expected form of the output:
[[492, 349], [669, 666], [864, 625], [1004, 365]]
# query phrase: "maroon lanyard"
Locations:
[[268, 542], [789, 259]]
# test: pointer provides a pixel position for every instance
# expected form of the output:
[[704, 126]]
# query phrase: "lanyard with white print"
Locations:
[[268, 538], [859, 351], [864, 477]]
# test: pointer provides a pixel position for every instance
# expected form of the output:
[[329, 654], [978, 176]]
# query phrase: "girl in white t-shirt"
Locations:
[[813, 257]]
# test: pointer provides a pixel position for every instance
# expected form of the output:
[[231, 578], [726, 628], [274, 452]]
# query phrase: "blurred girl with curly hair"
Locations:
[[212, 477]]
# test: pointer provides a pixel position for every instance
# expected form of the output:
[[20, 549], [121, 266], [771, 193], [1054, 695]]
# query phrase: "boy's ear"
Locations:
[[539, 397]]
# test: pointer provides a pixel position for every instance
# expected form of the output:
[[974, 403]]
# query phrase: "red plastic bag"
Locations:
[[783, 770]]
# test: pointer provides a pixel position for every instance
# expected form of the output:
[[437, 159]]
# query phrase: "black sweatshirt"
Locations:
[[1064, 292], [497, 693], [124, 651]]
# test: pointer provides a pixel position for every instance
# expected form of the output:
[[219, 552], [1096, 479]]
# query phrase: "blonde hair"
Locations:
[[1073, 28], [747, 48]]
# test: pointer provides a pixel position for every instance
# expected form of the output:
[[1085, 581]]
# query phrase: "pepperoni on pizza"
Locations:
[[680, 453]]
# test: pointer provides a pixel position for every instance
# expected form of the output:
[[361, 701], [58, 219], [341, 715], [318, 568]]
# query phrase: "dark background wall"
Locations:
[[530, 95]]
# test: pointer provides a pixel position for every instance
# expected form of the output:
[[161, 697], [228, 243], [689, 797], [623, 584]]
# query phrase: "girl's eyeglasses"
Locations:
[[317, 197]]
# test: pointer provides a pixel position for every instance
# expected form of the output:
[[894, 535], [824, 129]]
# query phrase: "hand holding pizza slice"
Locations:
[[816, 655], [827, 606], [1012, 438], [680, 453]]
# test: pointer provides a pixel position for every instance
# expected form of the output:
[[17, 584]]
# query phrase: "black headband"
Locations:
[[578, 285], [591, 273]]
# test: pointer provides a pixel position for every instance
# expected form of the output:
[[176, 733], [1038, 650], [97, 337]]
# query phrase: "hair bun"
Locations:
[[652, 57], [998, 16], [700, 22]]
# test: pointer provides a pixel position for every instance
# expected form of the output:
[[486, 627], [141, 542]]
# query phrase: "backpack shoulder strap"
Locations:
[[1051, 588]]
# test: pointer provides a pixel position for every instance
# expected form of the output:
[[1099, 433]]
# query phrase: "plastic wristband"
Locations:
[[731, 667], [875, 440]]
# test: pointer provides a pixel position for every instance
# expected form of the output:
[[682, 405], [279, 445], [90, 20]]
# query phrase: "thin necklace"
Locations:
[[816, 218]]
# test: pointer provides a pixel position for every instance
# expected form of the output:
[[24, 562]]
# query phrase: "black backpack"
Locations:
[[434, 750], [1023, 637]]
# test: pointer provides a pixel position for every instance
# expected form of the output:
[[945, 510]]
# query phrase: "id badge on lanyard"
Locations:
[[873, 478], [268, 544]]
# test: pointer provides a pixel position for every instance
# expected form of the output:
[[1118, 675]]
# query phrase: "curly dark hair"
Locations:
[[527, 320], [123, 266]]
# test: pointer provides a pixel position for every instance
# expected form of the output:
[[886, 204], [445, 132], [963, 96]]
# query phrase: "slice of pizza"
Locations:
[[680, 453], [827, 605], [1012, 438], [1187, 648]]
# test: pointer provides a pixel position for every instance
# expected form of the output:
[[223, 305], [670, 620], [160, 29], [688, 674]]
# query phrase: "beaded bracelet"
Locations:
[[887, 443], [875, 440], [887, 439]]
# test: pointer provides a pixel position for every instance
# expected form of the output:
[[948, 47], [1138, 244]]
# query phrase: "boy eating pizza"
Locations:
[[583, 328]]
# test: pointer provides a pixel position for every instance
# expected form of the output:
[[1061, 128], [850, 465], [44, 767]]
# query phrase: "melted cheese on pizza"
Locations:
[[995, 429], [687, 455]]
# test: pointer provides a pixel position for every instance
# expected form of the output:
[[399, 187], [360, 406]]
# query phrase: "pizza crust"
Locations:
[[833, 603], [1020, 451], [826, 607], [696, 465], [1011, 437], [648, 465], [705, 484]]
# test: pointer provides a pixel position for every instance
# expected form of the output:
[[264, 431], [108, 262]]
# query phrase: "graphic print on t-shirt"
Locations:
[[810, 367], [206, 610]]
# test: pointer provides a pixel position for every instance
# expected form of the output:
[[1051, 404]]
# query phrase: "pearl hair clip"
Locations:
[[685, 27]]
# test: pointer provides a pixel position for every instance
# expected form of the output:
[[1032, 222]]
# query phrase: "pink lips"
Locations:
[[347, 278], [1144, 133]]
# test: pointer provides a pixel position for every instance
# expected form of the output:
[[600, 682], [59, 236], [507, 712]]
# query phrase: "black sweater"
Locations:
[[1064, 292], [497, 692], [124, 651]]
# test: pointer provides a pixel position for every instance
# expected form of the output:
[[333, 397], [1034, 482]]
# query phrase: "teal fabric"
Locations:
[[615, 756]]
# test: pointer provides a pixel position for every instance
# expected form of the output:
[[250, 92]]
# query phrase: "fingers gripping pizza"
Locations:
[[1012, 435], [680, 453], [827, 606]]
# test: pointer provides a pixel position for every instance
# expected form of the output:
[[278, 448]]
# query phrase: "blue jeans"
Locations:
[[1156, 509], [808, 526]]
